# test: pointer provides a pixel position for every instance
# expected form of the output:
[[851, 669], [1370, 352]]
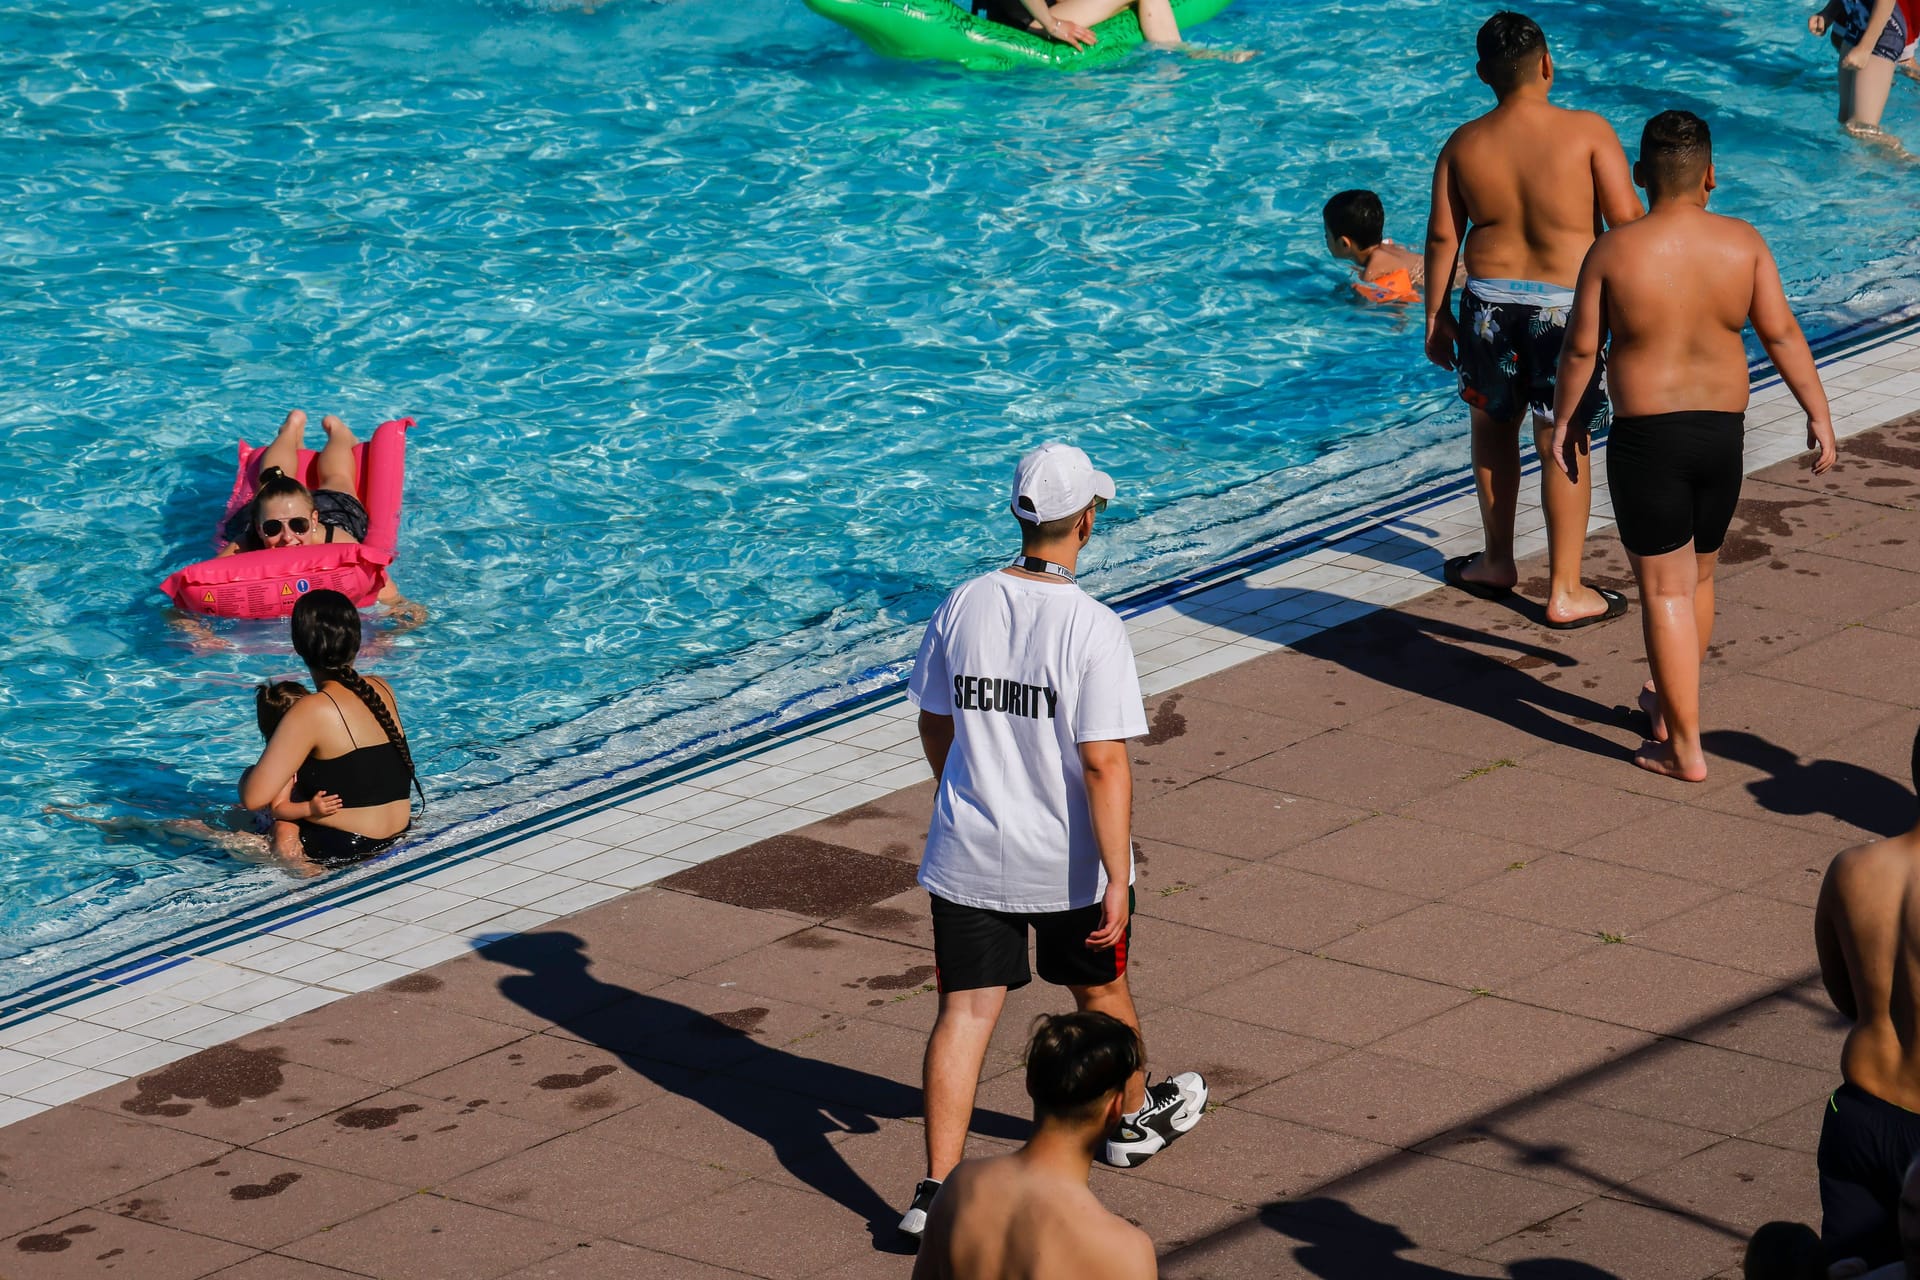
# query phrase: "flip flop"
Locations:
[[1452, 572], [1616, 606]]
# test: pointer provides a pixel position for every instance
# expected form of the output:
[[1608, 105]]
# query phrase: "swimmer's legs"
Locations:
[[950, 1074], [1863, 94], [1115, 1000], [284, 452], [1568, 505], [1703, 625], [1670, 587], [1496, 480], [335, 469], [1156, 16]]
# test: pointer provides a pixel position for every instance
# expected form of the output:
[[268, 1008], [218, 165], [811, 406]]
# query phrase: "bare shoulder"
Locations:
[[1126, 1249], [1593, 126], [1866, 867]]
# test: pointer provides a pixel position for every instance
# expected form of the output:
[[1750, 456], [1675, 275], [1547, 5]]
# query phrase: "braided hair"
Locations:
[[326, 635]]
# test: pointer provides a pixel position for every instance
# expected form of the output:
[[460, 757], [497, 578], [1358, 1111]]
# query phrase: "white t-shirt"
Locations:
[[1028, 670]]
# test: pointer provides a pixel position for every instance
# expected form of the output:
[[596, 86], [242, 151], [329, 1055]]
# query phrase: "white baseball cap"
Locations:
[[1056, 481]]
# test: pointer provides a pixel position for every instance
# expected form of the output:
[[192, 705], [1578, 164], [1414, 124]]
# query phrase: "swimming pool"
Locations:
[[722, 335]]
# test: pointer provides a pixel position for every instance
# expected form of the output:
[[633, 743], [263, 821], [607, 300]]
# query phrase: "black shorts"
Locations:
[[974, 947], [1866, 1145], [331, 847], [1676, 479], [1852, 25], [1509, 354]]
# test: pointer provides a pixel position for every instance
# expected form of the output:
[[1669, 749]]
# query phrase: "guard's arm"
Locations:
[[936, 740]]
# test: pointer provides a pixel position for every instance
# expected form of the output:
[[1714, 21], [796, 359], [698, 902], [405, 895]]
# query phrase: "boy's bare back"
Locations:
[[1000, 1218], [1537, 183], [1679, 286], [1867, 931]]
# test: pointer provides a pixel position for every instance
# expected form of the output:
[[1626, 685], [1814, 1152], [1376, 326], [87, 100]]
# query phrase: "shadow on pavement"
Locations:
[[1338, 1242], [1855, 795], [794, 1104]]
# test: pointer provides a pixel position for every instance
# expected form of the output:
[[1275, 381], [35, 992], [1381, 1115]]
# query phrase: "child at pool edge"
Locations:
[[271, 702], [1356, 224], [1870, 52]]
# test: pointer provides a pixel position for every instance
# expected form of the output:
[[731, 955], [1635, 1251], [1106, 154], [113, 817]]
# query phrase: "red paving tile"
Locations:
[[90, 1245], [428, 1237], [1435, 801]]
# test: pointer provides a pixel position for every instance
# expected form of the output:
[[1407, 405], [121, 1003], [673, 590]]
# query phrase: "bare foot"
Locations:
[[1907, 69], [1650, 703], [1586, 603], [337, 431], [1661, 758]]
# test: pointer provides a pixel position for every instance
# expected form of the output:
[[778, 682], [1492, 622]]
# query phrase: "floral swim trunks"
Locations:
[[1510, 337]]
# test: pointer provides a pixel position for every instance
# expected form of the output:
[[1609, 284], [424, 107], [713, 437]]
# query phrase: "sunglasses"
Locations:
[[298, 524], [1099, 505]]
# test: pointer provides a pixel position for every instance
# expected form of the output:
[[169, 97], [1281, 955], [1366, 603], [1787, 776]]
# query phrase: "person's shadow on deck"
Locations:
[[1337, 1242], [792, 1103], [1852, 793]]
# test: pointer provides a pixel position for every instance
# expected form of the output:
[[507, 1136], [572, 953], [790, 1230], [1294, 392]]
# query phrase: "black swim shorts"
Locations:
[[1675, 479], [1510, 337], [332, 847], [974, 947], [1866, 1145]]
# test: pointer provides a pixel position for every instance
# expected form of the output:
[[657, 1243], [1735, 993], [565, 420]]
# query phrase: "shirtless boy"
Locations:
[[1030, 1215], [1866, 929], [1674, 291], [1534, 183], [1356, 224]]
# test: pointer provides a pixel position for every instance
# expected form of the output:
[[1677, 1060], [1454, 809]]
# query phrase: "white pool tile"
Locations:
[[67, 1088], [528, 892], [180, 1022], [230, 1027], [59, 1040], [158, 1054], [96, 1053], [671, 839], [428, 954], [22, 1081], [243, 998], [15, 1109]]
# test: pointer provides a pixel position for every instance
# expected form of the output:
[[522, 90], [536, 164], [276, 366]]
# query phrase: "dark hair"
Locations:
[[271, 702], [1508, 44], [326, 635], [1076, 1060], [1783, 1251], [1034, 532], [1914, 764], [1357, 215], [1675, 149], [274, 483]]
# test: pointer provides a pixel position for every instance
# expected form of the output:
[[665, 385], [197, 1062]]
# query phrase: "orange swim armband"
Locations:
[[1395, 286]]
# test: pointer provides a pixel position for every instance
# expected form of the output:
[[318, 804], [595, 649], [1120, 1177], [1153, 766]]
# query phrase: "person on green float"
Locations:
[[1070, 21]]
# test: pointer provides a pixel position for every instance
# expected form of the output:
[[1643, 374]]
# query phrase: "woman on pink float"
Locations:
[[285, 513]]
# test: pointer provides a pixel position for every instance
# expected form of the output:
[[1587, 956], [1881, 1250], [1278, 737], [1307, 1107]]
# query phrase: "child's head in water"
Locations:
[[271, 702], [1356, 222]]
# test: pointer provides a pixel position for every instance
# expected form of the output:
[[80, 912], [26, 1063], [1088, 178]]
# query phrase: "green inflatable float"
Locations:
[[945, 31]]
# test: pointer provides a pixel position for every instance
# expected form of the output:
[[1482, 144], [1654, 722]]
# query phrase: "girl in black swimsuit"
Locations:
[[371, 778]]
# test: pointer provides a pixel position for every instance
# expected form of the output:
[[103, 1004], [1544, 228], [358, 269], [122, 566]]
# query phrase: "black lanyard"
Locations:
[[1034, 564]]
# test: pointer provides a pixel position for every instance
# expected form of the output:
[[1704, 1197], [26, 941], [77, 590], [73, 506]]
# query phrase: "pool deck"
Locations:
[[1474, 995]]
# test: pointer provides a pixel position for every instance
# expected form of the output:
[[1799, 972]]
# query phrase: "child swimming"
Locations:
[[1872, 40], [1355, 224]]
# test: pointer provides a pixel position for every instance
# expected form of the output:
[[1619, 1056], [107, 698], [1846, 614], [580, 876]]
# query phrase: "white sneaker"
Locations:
[[1172, 1107], [913, 1223]]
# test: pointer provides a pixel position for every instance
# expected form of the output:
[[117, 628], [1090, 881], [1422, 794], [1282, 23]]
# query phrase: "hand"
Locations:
[[1847, 1269], [1817, 23], [1071, 33], [1568, 447], [1856, 58], [1820, 439], [1443, 340], [325, 804], [1114, 913]]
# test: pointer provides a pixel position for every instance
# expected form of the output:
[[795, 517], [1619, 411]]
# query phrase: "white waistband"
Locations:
[[1528, 293]]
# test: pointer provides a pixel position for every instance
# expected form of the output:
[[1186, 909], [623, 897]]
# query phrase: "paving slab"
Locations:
[[1476, 997]]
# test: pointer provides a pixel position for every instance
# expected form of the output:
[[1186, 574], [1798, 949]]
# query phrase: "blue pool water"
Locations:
[[721, 334]]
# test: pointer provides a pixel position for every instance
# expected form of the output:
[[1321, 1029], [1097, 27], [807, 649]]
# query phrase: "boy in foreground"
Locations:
[[1672, 292], [1031, 1213]]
